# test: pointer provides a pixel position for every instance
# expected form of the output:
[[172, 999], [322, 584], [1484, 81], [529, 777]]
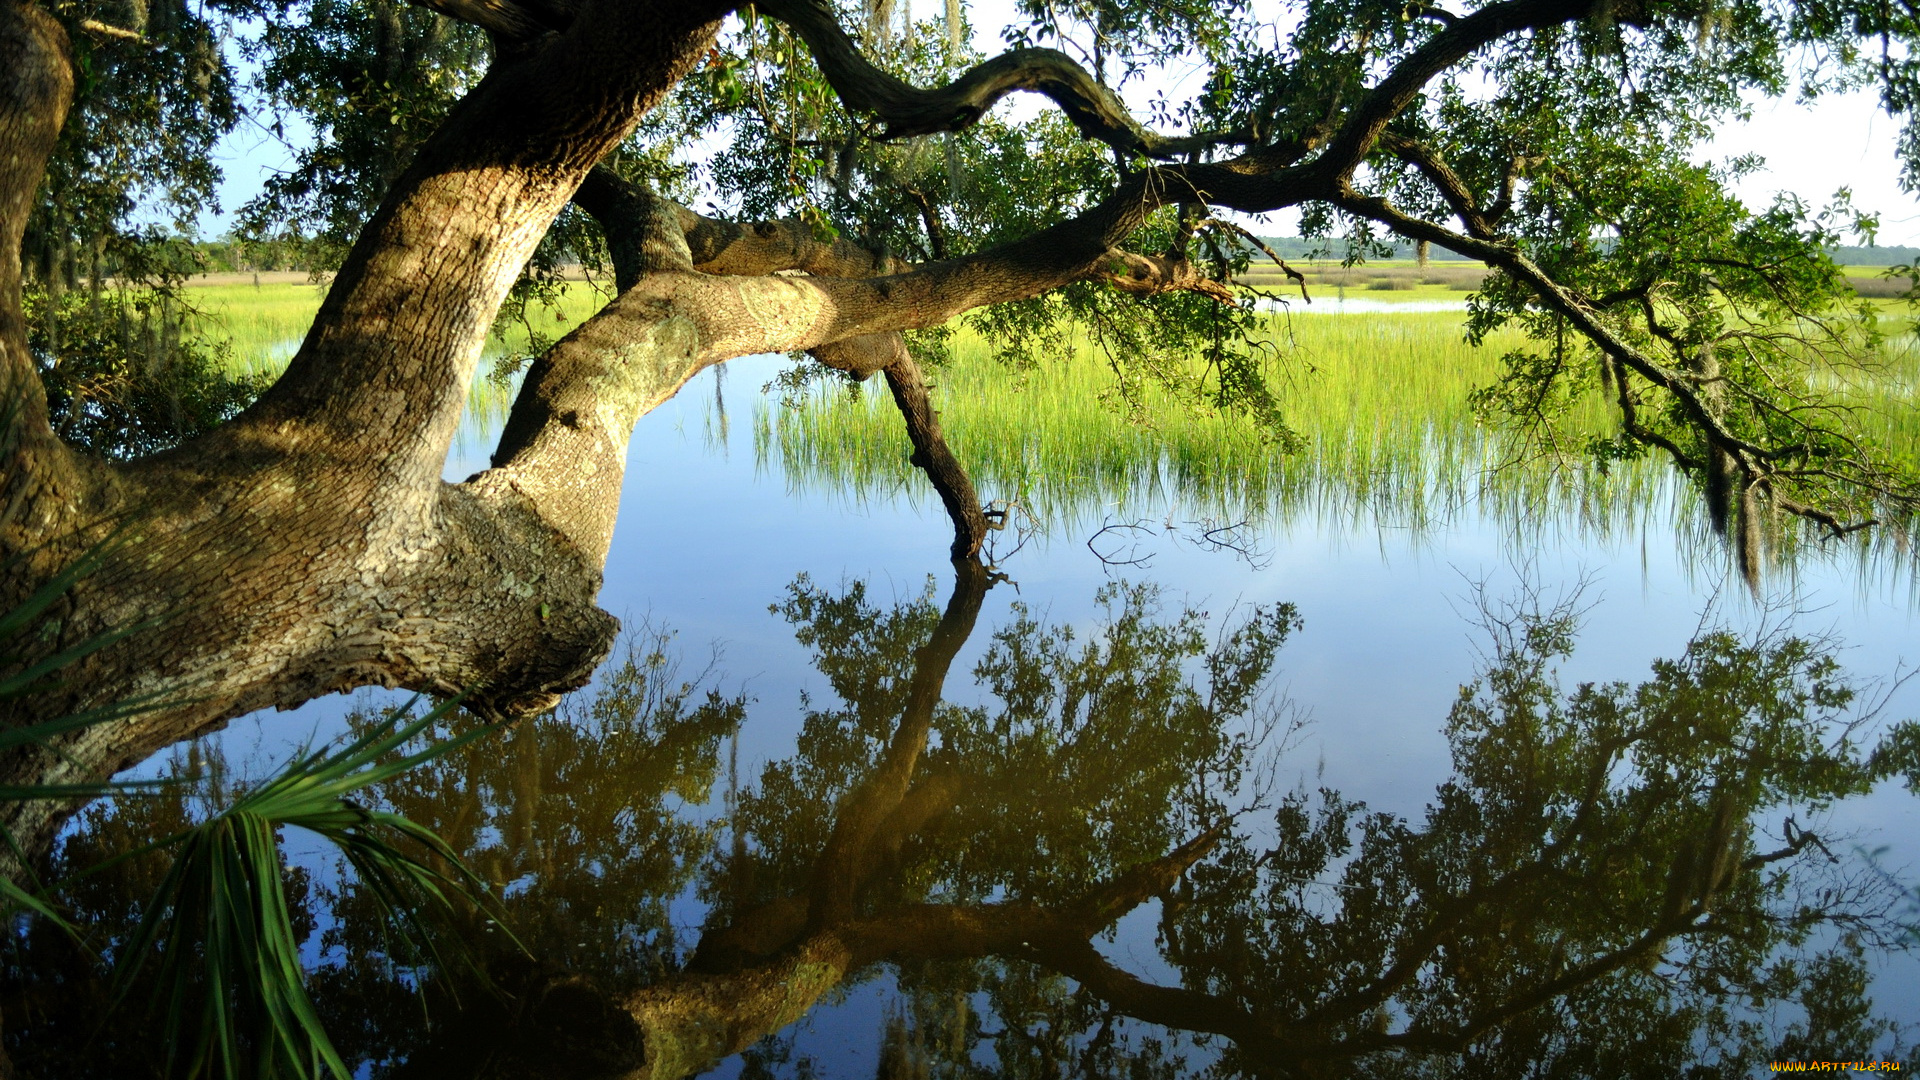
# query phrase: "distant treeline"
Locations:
[[229, 255], [1294, 247], [1876, 256]]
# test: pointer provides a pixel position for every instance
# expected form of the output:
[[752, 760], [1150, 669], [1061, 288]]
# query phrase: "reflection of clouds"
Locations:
[[1325, 305]]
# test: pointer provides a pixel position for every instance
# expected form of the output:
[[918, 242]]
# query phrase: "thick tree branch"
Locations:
[[504, 19], [1272, 178], [1458, 40], [39, 477], [310, 546], [643, 231], [394, 346], [648, 234], [1441, 175]]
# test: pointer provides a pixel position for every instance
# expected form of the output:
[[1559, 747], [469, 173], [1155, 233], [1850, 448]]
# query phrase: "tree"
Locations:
[[1616, 880], [308, 545]]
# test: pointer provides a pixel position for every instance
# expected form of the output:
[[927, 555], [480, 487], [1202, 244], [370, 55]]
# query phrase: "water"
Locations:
[[615, 864]]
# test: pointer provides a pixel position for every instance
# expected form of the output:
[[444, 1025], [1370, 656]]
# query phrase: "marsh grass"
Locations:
[[1890, 397], [1382, 401], [262, 323], [1392, 442]]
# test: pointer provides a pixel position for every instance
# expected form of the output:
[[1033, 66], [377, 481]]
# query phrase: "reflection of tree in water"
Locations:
[[1618, 880]]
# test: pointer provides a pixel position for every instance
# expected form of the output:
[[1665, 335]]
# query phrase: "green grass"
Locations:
[[1392, 441], [264, 323], [1382, 401]]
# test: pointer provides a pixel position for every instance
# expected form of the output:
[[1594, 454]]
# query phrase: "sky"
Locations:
[[1811, 150], [1814, 150]]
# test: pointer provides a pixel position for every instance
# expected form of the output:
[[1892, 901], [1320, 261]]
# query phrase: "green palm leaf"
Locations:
[[219, 925]]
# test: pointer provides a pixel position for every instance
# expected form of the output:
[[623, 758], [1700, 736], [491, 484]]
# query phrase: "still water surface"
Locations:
[[1520, 865]]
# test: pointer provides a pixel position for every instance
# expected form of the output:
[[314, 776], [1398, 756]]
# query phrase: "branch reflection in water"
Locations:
[[1616, 878]]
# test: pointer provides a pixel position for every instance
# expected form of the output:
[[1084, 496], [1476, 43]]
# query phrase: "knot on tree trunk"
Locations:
[[520, 625]]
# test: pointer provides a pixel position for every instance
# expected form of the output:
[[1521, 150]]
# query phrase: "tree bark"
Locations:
[[309, 545]]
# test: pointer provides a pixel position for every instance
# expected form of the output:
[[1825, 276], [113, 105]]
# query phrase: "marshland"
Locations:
[[788, 569]]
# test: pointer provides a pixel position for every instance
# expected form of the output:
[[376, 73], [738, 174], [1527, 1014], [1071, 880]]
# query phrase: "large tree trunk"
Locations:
[[309, 545]]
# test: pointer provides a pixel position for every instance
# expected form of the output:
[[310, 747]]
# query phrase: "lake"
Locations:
[[1099, 712]]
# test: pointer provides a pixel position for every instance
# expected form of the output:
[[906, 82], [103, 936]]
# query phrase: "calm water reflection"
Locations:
[[1612, 879], [1062, 826]]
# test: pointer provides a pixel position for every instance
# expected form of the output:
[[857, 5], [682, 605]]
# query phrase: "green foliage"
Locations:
[[208, 921], [148, 110], [124, 376], [572, 818], [1581, 145], [370, 80]]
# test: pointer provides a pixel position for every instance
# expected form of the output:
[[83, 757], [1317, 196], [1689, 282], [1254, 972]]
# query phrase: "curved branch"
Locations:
[[1441, 175], [1460, 39], [504, 19], [1273, 178], [1754, 462], [643, 231], [887, 353], [647, 233], [907, 110]]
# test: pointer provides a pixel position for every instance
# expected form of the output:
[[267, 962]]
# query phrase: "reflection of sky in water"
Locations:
[[708, 538]]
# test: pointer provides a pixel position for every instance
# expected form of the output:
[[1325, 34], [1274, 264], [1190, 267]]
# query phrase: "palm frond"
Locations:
[[221, 927]]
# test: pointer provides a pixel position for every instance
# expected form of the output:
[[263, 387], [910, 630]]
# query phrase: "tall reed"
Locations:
[[1381, 399]]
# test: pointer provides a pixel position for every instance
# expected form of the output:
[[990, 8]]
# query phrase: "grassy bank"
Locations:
[[1452, 279], [1392, 442], [1382, 400]]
